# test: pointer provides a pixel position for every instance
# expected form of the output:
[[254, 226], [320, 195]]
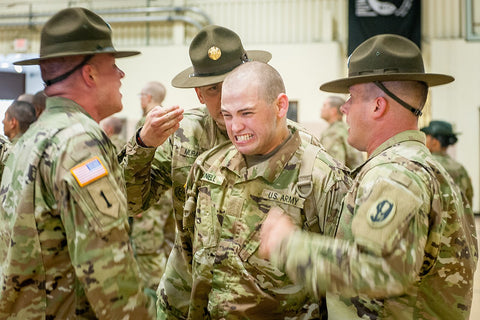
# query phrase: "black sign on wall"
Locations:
[[367, 18], [12, 85]]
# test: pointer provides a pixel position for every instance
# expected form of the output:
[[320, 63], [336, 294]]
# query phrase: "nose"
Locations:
[[122, 74], [237, 124], [343, 108]]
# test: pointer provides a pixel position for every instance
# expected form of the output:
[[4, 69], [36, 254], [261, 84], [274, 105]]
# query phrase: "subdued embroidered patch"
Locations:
[[382, 213]]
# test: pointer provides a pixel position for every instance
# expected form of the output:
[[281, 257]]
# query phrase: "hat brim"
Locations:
[[116, 54], [342, 85], [185, 79]]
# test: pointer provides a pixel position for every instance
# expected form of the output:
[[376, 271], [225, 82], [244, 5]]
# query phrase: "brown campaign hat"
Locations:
[[385, 57], [75, 31], [214, 52]]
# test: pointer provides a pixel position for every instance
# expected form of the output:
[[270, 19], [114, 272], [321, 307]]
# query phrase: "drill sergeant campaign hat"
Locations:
[[73, 32], [214, 52], [386, 57]]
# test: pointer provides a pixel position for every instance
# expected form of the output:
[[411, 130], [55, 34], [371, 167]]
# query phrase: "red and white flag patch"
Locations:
[[89, 171]]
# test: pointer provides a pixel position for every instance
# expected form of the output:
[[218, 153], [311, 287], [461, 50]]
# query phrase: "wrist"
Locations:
[[139, 140]]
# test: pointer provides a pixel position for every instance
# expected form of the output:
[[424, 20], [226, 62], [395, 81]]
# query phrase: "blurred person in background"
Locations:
[[335, 137], [440, 136], [18, 118]]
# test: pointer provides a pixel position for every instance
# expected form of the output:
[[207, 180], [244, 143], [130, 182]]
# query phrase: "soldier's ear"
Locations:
[[282, 105], [13, 122], [379, 107]]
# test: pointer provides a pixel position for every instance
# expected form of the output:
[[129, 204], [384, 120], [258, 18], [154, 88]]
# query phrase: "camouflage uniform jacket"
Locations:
[[458, 173], [149, 171], [334, 139], [4, 147], [64, 246], [227, 278], [153, 234], [405, 248]]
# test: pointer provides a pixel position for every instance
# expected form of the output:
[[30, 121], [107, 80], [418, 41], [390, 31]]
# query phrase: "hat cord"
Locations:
[[416, 112], [68, 73]]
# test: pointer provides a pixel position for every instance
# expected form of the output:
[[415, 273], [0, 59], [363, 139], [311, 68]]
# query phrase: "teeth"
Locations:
[[244, 137]]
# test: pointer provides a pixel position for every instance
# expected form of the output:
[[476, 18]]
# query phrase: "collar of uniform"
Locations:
[[408, 135], [64, 104], [269, 169]]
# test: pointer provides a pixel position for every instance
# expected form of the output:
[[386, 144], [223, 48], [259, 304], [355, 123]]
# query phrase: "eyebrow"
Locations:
[[240, 110]]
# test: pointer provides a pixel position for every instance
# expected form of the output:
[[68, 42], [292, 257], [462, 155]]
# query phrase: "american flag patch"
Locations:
[[89, 171]]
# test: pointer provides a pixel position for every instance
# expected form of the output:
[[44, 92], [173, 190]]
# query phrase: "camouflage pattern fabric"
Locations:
[[406, 248], [153, 234], [118, 141], [149, 171], [458, 173], [334, 139], [64, 251], [4, 147], [224, 276]]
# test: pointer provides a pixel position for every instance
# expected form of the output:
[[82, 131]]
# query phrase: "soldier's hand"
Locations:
[[274, 229], [160, 123]]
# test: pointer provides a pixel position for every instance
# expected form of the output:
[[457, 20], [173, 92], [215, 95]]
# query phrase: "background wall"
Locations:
[[459, 102]]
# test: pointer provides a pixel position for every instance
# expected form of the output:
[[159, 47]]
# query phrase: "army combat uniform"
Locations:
[[405, 248], [64, 248], [458, 173], [149, 171], [4, 146], [334, 139], [226, 278], [153, 234]]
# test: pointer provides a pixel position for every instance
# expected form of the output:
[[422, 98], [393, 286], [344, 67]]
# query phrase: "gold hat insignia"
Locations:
[[214, 53]]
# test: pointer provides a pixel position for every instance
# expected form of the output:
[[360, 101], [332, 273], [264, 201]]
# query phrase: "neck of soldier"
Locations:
[[78, 93]]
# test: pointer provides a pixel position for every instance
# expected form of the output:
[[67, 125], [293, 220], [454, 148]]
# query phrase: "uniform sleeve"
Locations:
[[389, 231], [92, 204], [147, 173], [331, 185], [175, 288]]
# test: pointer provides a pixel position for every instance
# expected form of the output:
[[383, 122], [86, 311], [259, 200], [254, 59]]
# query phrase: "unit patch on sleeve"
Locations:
[[89, 171], [381, 213]]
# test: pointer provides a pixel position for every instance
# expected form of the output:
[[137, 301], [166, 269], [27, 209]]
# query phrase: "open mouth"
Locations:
[[243, 137]]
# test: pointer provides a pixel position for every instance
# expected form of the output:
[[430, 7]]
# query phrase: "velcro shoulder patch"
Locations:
[[383, 217], [89, 171]]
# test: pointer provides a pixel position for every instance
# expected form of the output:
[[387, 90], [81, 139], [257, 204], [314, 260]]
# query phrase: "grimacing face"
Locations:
[[252, 124]]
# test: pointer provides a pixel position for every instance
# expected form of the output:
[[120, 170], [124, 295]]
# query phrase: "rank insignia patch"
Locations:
[[89, 171], [381, 214]]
